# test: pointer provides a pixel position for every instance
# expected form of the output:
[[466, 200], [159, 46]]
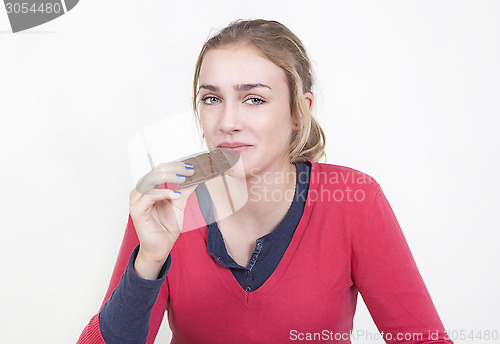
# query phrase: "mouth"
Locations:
[[237, 146]]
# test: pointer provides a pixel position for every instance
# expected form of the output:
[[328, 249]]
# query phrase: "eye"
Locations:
[[255, 101], [209, 100]]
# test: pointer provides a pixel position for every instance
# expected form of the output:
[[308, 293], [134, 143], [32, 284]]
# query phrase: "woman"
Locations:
[[289, 263]]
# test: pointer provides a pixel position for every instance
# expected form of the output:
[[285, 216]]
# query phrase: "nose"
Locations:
[[230, 121]]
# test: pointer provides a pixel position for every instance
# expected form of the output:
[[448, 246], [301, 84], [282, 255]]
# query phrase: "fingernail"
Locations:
[[180, 175], [177, 192], [188, 164], [189, 167]]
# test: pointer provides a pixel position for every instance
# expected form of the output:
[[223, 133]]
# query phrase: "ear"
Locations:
[[309, 101]]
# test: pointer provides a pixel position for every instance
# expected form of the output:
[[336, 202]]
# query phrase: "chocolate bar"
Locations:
[[210, 165]]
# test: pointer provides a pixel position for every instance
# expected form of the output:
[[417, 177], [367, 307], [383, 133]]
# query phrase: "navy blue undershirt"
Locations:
[[124, 319]]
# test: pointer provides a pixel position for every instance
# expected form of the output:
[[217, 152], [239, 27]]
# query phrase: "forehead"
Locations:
[[240, 64]]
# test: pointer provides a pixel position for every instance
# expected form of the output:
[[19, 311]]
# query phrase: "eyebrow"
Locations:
[[240, 87]]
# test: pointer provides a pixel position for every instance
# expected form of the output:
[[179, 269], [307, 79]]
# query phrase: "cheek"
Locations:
[[207, 125], [209, 130]]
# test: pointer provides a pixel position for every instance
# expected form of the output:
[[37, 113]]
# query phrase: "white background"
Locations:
[[408, 92]]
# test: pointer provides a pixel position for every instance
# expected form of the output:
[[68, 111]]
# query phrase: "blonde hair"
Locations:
[[284, 49]]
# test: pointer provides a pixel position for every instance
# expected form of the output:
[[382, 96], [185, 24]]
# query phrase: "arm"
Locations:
[[92, 332], [156, 218], [389, 281]]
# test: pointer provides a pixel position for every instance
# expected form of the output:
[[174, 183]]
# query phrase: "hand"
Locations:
[[158, 215]]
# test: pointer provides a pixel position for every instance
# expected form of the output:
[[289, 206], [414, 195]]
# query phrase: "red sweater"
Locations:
[[348, 240]]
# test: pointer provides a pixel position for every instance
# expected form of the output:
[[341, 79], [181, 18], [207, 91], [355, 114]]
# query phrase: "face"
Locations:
[[244, 104]]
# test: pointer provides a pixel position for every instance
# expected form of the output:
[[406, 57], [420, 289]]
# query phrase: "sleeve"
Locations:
[[389, 281], [93, 332]]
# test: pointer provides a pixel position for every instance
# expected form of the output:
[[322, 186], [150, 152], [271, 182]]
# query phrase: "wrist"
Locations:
[[147, 267]]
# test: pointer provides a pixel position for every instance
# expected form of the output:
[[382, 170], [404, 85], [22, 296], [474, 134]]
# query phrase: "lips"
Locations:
[[238, 146], [233, 145]]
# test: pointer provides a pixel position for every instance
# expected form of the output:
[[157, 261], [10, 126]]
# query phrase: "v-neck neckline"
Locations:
[[250, 298]]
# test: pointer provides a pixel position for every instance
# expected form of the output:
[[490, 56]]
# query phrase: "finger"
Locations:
[[174, 172], [135, 196], [184, 195], [157, 178], [162, 194], [146, 201]]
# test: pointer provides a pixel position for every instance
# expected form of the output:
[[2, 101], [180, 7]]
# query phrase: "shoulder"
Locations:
[[341, 188], [336, 176]]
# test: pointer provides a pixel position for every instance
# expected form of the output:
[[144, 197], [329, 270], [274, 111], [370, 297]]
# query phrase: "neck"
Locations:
[[270, 195]]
